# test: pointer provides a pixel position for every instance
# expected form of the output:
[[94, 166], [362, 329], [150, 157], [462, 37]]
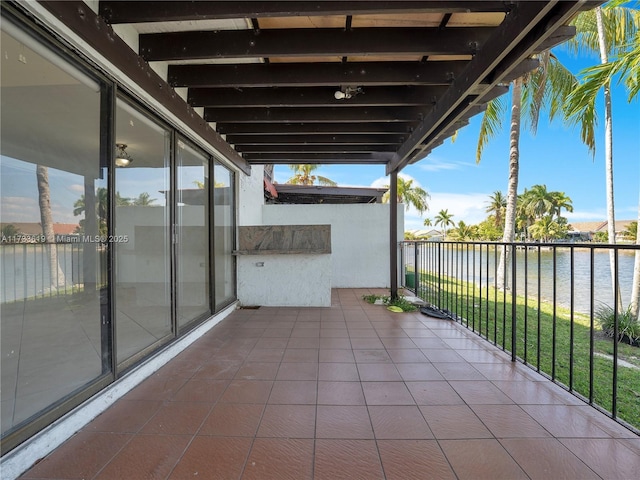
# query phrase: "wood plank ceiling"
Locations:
[[341, 81]]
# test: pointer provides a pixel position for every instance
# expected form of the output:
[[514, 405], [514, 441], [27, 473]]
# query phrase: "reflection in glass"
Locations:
[[224, 237], [143, 274], [192, 219], [53, 279]]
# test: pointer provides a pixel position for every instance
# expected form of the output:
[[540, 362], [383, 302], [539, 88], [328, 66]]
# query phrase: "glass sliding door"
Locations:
[[53, 212], [224, 235], [142, 235], [192, 234]]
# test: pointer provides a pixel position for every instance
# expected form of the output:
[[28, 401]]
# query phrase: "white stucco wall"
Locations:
[[251, 196], [359, 238], [284, 280]]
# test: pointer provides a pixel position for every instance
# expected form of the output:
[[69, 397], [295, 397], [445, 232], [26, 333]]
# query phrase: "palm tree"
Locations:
[[538, 202], [143, 200], [547, 86], [546, 228], [409, 195], [427, 222], [56, 275], [465, 232], [497, 206], [101, 203], [444, 218], [610, 31], [302, 175], [560, 200]]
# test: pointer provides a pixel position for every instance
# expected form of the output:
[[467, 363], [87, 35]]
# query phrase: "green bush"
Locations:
[[628, 327], [401, 302]]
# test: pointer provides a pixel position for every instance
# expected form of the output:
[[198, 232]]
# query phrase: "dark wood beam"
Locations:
[[507, 73], [312, 96], [295, 129], [316, 74], [313, 148], [311, 42], [92, 29], [317, 114], [118, 11], [329, 158], [308, 139], [560, 35], [526, 27]]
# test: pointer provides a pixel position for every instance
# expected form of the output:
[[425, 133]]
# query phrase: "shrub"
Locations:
[[628, 327], [400, 302]]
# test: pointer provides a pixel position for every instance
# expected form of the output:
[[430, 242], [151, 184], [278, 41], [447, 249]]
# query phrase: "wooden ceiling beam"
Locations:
[[312, 97], [318, 114], [316, 74], [118, 11], [319, 139], [311, 42], [328, 158], [295, 129], [313, 148]]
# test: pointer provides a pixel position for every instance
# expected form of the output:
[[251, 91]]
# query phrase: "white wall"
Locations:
[[359, 238], [285, 280], [251, 196]]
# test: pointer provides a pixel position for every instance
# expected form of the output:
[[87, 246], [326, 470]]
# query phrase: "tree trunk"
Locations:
[[512, 189], [608, 152], [56, 276]]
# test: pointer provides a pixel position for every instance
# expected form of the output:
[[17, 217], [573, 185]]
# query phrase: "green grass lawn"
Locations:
[[561, 349]]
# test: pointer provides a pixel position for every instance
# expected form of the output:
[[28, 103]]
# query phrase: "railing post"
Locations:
[[416, 263], [514, 309], [393, 234]]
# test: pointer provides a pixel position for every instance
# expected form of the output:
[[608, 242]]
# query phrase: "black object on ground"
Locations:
[[435, 312]]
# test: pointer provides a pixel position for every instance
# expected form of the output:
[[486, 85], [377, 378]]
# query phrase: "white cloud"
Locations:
[[437, 165], [384, 181], [76, 188], [19, 209], [471, 207]]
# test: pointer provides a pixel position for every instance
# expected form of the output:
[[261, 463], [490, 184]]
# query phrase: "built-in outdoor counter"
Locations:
[[278, 265]]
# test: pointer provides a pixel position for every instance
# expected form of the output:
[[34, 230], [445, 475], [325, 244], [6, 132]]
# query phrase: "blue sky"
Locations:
[[554, 157]]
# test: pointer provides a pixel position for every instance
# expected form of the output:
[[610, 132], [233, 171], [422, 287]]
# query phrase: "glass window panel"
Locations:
[[143, 273], [224, 235], [192, 225], [53, 190]]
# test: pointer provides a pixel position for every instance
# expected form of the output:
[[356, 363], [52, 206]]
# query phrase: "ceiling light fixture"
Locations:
[[123, 159], [347, 92]]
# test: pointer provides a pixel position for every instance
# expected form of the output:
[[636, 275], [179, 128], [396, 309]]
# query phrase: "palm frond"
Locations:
[[325, 181], [491, 124]]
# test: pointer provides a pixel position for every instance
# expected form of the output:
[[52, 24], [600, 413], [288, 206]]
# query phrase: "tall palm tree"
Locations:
[[547, 86], [560, 200], [427, 222], [444, 218], [464, 232], [56, 275], [497, 206], [539, 202], [409, 195], [610, 31], [303, 175]]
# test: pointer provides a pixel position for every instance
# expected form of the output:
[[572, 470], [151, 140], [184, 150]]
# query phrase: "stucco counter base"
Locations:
[[280, 280]]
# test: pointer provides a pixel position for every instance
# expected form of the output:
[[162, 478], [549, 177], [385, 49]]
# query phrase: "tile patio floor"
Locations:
[[347, 392]]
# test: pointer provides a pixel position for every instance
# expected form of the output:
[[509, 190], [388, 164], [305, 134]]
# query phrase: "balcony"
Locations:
[[347, 391]]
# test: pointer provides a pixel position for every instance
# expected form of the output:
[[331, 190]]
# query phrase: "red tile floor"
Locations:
[[347, 392]]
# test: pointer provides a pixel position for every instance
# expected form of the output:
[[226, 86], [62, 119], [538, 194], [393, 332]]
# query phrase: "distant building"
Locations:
[[585, 231]]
